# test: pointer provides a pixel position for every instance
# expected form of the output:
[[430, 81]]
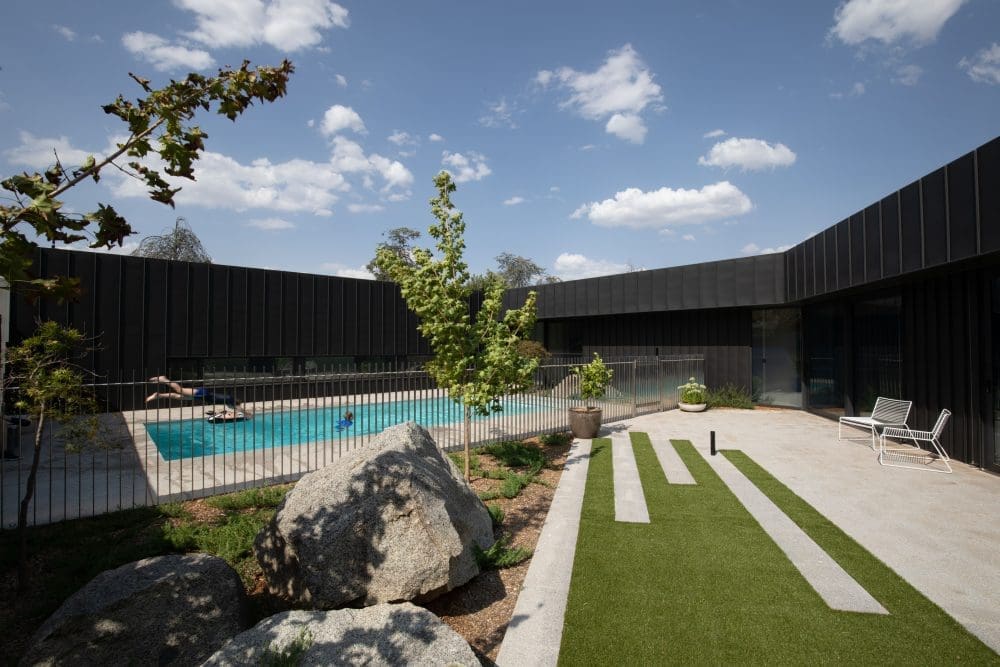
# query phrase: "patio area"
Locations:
[[938, 532]]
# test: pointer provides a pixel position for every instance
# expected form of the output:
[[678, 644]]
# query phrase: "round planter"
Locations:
[[692, 407], [585, 422]]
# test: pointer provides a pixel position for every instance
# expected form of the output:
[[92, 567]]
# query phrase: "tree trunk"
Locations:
[[468, 442], [22, 514]]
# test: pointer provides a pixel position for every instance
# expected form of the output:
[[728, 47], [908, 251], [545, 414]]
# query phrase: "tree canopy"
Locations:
[[159, 126], [398, 243], [179, 243]]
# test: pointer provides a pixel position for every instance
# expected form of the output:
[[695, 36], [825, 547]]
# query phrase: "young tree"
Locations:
[[158, 124], [398, 243], [49, 387], [477, 362], [179, 243]]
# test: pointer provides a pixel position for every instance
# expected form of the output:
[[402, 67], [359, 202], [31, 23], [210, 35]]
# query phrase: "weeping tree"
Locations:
[[159, 124], [477, 361], [180, 243]]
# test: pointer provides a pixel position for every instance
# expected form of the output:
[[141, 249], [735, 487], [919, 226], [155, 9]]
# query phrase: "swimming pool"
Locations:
[[188, 438]]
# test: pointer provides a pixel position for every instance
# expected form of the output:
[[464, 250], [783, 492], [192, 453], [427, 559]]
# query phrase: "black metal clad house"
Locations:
[[900, 299]]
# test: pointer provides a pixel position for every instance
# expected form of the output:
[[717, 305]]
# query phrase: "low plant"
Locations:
[[692, 392], [729, 396], [500, 554], [268, 496], [514, 454], [496, 514], [555, 439], [594, 378], [291, 655]]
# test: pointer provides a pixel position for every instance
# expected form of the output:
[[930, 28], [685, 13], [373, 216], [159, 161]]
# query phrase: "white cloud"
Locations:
[[40, 152], [435, 137], [469, 167], [164, 55], [588, 147], [688, 237], [344, 271], [339, 117], [573, 266], [341, 80], [287, 25], [908, 75], [857, 90], [619, 90], [748, 155], [627, 126], [500, 114], [349, 157], [401, 138], [554, 188], [713, 134], [270, 224], [513, 201], [662, 208], [890, 21], [68, 33], [365, 208], [754, 249], [984, 67]]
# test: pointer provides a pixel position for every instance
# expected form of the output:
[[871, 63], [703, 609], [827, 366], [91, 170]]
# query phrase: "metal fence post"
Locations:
[[635, 387]]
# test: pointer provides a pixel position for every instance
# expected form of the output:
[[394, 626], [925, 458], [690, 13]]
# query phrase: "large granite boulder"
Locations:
[[386, 634], [392, 521], [169, 610]]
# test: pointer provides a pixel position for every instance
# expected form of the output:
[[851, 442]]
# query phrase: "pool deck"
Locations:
[[939, 532]]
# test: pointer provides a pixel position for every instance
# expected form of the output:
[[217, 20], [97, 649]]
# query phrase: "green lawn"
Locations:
[[702, 582]]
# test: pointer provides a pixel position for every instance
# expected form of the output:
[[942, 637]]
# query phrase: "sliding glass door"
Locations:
[[776, 357]]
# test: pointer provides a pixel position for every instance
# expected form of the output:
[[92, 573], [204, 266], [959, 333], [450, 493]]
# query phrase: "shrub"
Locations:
[[692, 392], [515, 454], [555, 439], [500, 554], [497, 514], [729, 396]]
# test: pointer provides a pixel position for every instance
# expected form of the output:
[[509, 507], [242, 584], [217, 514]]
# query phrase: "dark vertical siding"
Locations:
[[935, 219], [910, 227], [890, 235], [962, 226], [988, 186]]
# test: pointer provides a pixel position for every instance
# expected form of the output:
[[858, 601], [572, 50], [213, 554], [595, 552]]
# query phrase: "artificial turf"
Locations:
[[703, 583]]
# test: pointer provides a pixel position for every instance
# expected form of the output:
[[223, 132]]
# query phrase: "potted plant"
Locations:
[[594, 378], [692, 396]]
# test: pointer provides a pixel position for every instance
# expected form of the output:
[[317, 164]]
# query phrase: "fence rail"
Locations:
[[152, 449]]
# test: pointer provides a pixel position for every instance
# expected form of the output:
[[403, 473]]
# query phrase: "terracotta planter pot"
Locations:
[[585, 422], [692, 407]]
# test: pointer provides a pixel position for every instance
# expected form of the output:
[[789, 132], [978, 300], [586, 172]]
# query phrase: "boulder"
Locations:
[[169, 610], [392, 521], [386, 634]]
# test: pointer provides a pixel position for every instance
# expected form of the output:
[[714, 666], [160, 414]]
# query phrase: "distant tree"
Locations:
[[517, 271], [477, 362], [180, 243], [398, 243], [48, 386], [157, 124]]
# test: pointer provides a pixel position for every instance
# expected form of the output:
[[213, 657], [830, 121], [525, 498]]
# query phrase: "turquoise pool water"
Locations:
[[188, 438]]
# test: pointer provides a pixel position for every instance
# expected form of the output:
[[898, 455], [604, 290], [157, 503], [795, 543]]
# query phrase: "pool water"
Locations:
[[187, 438]]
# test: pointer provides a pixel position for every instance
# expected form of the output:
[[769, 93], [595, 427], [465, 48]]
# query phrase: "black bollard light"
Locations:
[[713, 442]]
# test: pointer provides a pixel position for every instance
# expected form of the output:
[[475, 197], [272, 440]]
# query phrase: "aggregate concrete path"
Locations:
[[535, 631], [630, 501], [673, 467], [837, 588]]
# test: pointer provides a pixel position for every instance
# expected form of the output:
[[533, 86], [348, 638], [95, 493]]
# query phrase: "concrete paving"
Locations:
[[838, 589], [630, 501], [673, 467]]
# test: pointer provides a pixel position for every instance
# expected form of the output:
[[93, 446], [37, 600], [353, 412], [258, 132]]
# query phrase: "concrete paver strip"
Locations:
[[630, 501], [837, 588], [535, 631], [673, 467]]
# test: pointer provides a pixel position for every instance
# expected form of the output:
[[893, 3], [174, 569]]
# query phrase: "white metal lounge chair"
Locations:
[[915, 457], [887, 412]]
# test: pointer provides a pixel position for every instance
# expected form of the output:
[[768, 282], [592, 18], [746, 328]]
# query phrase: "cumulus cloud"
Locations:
[[40, 152], [513, 201], [856, 90], [573, 266], [270, 224], [287, 25], [713, 134], [984, 67], [891, 21], [67, 33], [748, 155], [164, 55], [339, 117], [435, 137], [908, 75], [401, 138], [500, 114], [659, 209], [688, 237], [344, 271], [754, 249], [619, 90], [365, 208], [341, 80], [349, 157], [469, 167]]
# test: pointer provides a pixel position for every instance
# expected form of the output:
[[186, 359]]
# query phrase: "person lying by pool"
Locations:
[[346, 421], [182, 393]]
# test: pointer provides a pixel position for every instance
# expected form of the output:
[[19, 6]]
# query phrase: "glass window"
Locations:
[[877, 368], [824, 344], [776, 357]]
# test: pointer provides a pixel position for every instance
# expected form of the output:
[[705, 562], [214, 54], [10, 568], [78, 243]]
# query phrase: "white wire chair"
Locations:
[[887, 412], [915, 457]]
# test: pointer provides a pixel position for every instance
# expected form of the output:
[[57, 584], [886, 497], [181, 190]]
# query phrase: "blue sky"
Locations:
[[587, 137]]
